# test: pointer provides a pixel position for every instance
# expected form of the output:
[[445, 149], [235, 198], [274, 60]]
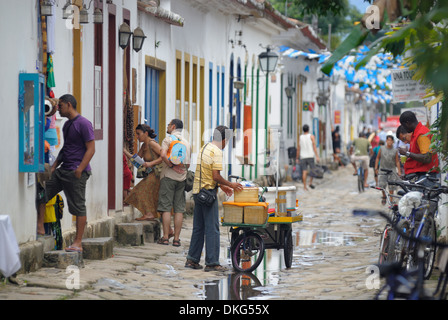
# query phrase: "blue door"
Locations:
[[152, 100]]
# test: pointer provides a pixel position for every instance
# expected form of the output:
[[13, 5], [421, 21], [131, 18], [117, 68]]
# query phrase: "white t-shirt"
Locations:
[[306, 146]]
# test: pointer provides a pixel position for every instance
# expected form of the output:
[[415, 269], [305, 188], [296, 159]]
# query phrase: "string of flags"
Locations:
[[374, 78]]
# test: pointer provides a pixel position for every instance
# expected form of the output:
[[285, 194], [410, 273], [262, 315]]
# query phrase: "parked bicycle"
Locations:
[[409, 284], [420, 223]]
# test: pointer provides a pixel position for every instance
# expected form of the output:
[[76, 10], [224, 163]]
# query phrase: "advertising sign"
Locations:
[[404, 88]]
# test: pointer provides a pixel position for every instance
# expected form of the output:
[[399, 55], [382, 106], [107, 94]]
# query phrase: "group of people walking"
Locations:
[[412, 155]]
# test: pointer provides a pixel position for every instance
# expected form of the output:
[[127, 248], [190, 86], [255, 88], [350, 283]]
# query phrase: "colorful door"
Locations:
[[152, 99]]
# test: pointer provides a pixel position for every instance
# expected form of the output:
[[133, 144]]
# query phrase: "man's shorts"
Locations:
[[307, 164], [365, 160], [383, 178], [171, 196], [74, 190]]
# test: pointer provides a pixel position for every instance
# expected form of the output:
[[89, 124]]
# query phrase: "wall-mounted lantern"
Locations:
[[45, 8], [137, 39], [124, 35], [69, 9], [268, 60]]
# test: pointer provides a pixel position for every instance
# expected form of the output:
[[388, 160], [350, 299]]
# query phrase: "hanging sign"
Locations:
[[404, 88]]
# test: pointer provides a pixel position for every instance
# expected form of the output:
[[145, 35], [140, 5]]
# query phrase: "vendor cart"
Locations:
[[250, 240]]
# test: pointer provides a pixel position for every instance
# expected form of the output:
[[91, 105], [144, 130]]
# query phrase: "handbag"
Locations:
[[205, 196], [143, 172], [317, 172], [189, 181]]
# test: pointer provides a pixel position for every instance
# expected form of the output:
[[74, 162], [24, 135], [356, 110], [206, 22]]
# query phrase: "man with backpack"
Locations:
[[175, 153]]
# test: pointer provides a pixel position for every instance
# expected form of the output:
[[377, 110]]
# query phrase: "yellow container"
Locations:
[[232, 213], [255, 214], [247, 195]]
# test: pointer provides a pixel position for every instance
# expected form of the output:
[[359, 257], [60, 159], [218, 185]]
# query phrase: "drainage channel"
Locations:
[[261, 283]]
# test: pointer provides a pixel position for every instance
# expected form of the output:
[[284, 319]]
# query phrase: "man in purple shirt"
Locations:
[[71, 170]]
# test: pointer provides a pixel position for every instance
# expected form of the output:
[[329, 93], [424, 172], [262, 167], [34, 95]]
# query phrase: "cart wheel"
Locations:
[[247, 252], [288, 248], [234, 235]]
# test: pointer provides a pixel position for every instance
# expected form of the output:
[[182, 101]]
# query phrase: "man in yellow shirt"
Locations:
[[206, 218]]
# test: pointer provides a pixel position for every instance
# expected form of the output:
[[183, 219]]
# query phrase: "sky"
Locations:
[[360, 4]]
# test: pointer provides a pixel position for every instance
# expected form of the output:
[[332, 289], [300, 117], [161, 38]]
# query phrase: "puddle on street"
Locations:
[[261, 283]]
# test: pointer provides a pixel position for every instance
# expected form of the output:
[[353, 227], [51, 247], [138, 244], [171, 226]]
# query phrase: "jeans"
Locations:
[[205, 227]]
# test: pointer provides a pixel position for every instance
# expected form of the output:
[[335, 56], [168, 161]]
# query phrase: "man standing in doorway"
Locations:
[[306, 153], [74, 171], [172, 185]]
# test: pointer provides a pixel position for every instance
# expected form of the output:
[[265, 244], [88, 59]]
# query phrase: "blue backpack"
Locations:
[[177, 152]]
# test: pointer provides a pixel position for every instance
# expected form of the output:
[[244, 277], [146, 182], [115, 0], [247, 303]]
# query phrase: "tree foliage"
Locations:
[[421, 35]]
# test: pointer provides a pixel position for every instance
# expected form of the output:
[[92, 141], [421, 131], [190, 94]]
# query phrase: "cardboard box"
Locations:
[[255, 214], [233, 213], [247, 195]]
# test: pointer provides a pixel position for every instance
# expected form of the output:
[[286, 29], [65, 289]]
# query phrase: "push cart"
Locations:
[[248, 241]]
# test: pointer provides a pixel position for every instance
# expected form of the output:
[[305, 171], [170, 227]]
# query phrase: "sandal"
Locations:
[[215, 268], [383, 201], [163, 241], [193, 265], [176, 243]]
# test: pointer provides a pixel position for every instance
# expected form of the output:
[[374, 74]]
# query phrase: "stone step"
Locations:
[[151, 230], [47, 241], [129, 234], [61, 259], [98, 248]]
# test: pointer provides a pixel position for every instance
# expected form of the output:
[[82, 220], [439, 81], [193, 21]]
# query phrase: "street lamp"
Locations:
[[84, 15], [138, 39], [98, 16], [289, 90], [268, 60], [323, 84], [45, 8], [124, 35]]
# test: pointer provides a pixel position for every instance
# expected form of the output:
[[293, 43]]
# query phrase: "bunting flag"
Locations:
[[374, 78], [50, 72]]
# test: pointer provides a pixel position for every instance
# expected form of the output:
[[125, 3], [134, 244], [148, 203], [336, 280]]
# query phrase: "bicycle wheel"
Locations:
[[360, 180], [428, 233], [247, 252], [398, 246], [288, 247], [384, 245]]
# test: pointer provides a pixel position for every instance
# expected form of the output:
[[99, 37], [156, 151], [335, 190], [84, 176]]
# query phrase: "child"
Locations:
[[387, 159]]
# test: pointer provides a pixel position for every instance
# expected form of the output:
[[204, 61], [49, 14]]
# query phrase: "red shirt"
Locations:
[[412, 165]]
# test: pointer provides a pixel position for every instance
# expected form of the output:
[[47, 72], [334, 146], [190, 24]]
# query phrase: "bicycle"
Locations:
[[409, 284], [391, 243], [419, 223], [385, 235]]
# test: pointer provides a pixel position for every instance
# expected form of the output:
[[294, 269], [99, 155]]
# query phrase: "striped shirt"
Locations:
[[209, 160]]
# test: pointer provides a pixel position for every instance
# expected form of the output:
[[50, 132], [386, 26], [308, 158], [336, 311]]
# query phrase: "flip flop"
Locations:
[[73, 249]]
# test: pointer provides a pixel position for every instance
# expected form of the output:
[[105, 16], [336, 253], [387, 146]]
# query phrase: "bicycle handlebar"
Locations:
[[372, 213]]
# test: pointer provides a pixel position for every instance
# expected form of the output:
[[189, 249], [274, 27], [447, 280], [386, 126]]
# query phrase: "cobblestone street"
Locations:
[[332, 252]]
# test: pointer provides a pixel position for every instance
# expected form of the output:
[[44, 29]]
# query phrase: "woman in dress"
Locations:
[[145, 195]]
